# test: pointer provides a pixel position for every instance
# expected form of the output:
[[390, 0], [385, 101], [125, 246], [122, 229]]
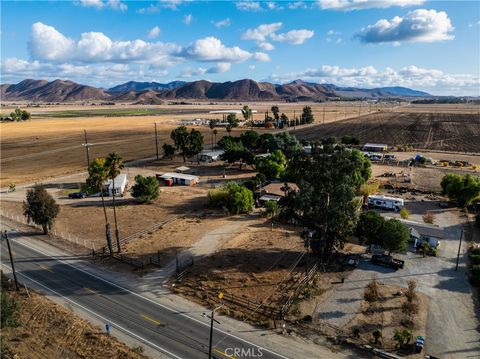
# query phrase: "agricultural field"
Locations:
[[435, 131], [51, 143]]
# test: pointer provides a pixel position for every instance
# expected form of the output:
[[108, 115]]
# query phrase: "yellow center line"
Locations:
[[224, 354], [45, 267], [91, 291], [150, 319]]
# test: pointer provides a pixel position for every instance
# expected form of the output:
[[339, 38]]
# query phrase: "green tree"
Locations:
[[20, 115], [284, 119], [114, 164], [275, 110], [236, 152], [168, 150], [97, 175], [369, 227], [235, 197], [211, 125], [146, 189], [215, 131], [307, 115], [273, 166], [249, 139], [465, 190], [395, 236], [350, 140], [240, 199], [287, 143], [232, 120], [40, 208], [190, 144], [328, 180], [247, 115], [272, 209]]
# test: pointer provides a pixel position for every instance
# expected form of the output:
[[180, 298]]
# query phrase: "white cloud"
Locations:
[[165, 4], [348, 5], [189, 72], [248, 5], [49, 44], [261, 57], [297, 5], [294, 37], [269, 31], [417, 26], [219, 68], [431, 80], [261, 32], [252, 67], [266, 46], [153, 32], [222, 23], [101, 4], [187, 19], [211, 49]]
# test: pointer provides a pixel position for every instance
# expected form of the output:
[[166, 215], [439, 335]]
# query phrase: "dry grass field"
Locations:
[[51, 146]]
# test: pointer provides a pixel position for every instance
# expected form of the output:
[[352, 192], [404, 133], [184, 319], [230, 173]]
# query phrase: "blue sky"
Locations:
[[427, 45]]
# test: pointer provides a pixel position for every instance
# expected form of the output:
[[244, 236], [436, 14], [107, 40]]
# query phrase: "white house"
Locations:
[[120, 184], [180, 178], [375, 147]]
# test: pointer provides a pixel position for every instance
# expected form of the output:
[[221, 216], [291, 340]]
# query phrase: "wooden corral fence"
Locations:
[[149, 230]]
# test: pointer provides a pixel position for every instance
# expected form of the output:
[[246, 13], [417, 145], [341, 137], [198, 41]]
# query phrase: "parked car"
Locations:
[[77, 195], [387, 261]]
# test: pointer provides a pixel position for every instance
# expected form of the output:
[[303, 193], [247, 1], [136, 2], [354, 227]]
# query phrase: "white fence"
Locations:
[[68, 238]]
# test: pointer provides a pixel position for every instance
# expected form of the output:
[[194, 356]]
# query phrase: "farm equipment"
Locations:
[[387, 261]]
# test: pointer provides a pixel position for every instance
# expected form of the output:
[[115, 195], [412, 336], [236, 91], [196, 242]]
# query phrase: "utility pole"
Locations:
[[212, 319], [5, 235], [323, 114], [459, 248], [156, 140], [87, 148]]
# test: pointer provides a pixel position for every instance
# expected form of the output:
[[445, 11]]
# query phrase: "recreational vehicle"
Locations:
[[385, 202]]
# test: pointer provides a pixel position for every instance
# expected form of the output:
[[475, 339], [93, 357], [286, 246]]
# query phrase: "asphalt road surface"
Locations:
[[171, 332]]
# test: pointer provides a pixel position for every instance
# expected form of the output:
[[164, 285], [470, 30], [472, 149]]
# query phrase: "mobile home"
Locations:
[[120, 184], [179, 178], [385, 202]]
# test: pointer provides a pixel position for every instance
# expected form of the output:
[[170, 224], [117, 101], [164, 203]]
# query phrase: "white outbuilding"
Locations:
[[120, 182]]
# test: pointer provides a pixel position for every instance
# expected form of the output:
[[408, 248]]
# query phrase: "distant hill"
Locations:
[[379, 92], [141, 86], [157, 93]]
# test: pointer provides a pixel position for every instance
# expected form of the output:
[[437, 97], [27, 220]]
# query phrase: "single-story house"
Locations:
[[180, 178], [278, 188], [375, 147], [120, 184], [420, 232], [210, 156]]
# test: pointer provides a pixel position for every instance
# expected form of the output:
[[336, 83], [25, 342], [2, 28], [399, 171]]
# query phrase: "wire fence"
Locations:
[[69, 239]]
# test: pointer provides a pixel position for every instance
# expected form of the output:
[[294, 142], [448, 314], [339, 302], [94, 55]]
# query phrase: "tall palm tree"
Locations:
[[114, 164], [211, 124], [98, 173], [247, 114], [215, 131]]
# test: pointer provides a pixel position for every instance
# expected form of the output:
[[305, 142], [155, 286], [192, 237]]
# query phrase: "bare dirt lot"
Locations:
[[47, 330], [436, 131]]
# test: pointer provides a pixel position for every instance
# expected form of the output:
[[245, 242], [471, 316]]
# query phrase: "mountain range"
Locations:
[[157, 93]]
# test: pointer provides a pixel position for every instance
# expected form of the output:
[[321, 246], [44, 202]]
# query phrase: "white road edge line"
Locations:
[[98, 315], [152, 301]]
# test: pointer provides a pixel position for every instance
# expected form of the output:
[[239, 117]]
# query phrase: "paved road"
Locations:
[[168, 331]]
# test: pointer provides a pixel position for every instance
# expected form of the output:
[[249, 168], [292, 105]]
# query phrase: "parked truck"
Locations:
[[387, 261], [385, 202]]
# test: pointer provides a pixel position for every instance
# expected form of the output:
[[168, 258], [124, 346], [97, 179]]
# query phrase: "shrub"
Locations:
[[475, 251], [475, 258], [429, 217], [377, 334], [404, 213], [9, 309], [402, 336], [411, 294], [218, 197], [410, 308], [146, 189], [237, 198], [372, 293]]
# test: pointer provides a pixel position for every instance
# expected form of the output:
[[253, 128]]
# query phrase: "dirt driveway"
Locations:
[[452, 324]]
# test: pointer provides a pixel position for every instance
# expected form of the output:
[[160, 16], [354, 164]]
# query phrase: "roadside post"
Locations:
[[5, 235], [107, 328], [212, 319]]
